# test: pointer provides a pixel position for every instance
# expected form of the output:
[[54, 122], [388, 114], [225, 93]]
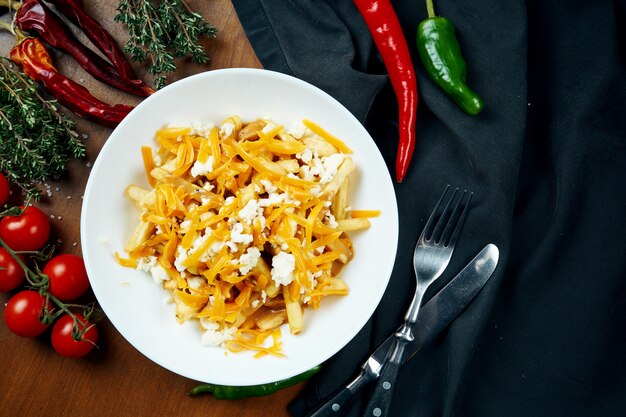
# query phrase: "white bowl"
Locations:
[[135, 304]]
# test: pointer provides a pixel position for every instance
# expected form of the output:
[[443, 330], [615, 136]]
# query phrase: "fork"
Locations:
[[430, 258]]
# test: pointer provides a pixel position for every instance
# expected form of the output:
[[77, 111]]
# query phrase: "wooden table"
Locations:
[[115, 380]]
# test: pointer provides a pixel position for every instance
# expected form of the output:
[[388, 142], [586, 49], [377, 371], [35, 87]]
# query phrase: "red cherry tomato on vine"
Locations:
[[68, 277], [28, 231], [5, 189], [11, 273], [24, 312], [64, 335]]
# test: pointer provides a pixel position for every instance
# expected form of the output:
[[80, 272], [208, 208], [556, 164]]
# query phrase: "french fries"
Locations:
[[342, 175], [350, 225], [246, 225]]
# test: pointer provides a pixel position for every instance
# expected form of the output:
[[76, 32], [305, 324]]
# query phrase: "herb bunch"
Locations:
[[160, 31], [36, 140]]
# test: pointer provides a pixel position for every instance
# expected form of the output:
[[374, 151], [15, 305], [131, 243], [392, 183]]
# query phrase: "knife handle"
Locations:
[[380, 401], [335, 405], [339, 402]]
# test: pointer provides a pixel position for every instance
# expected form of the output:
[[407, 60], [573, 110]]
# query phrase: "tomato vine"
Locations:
[[70, 283]]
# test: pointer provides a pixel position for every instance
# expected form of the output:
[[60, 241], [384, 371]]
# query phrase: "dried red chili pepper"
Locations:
[[32, 56], [98, 35], [34, 16], [383, 24]]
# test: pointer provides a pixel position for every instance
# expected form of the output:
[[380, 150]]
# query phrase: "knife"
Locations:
[[435, 315]]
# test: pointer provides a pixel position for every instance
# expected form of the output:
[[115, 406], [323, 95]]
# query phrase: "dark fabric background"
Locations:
[[547, 163]]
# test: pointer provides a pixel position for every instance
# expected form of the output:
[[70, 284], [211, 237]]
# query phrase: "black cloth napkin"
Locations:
[[547, 163]]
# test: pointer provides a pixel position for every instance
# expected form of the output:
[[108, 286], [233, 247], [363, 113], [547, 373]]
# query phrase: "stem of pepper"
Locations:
[[7, 26], [430, 8], [19, 35], [11, 4]]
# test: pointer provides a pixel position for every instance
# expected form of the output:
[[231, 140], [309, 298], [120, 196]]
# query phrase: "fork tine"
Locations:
[[430, 223], [453, 229], [444, 218]]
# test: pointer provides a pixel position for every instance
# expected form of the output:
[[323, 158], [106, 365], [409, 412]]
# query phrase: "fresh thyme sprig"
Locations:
[[162, 30], [36, 140]]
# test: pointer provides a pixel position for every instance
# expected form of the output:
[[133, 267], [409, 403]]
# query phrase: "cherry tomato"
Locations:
[[68, 277], [23, 313], [63, 337], [28, 231], [11, 273], [5, 189]]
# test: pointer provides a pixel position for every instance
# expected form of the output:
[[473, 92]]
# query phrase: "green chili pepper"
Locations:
[[441, 54], [225, 392]]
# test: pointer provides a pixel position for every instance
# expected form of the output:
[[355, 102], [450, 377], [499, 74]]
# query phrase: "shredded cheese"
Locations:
[[240, 226]]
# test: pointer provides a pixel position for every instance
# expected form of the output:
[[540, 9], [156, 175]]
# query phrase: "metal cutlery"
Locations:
[[434, 317], [430, 258]]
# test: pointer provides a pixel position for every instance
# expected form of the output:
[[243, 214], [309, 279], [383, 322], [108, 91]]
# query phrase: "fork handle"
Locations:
[[380, 402]]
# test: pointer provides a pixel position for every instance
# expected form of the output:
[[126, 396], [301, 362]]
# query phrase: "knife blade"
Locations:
[[435, 315]]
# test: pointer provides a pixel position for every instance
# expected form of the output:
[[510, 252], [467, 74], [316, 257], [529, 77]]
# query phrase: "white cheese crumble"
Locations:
[[216, 247], [316, 191], [305, 156], [274, 199], [250, 211], [269, 186], [233, 247], [330, 220], [237, 235], [202, 130], [297, 130], [150, 264], [248, 260], [159, 273], [185, 225], [283, 265], [331, 164], [146, 263], [325, 168], [309, 172], [227, 129], [212, 336], [195, 282], [181, 256], [199, 168]]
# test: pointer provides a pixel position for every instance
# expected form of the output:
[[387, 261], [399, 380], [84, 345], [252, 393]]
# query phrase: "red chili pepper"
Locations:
[[383, 23], [32, 56], [98, 35], [35, 16]]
